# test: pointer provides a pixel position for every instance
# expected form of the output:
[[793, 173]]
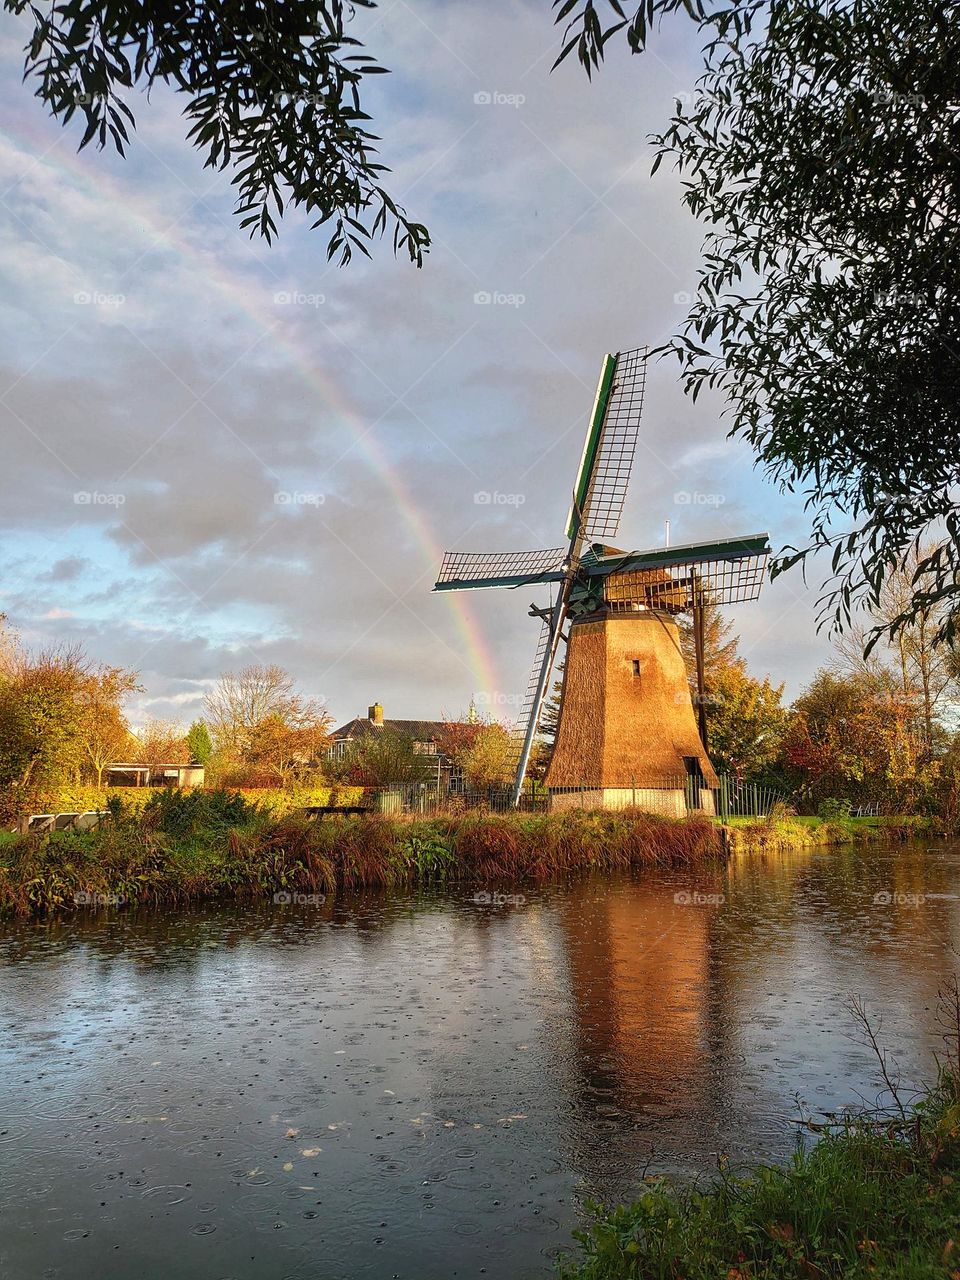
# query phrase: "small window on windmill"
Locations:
[[636, 667]]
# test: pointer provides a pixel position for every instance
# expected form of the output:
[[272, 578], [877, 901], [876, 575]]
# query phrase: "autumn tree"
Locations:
[[262, 726], [242, 699], [105, 734], [745, 716], [456, 737], [855, 737], [160, 742], [384, 758], [490, 759], [41, 727], [287, 749]]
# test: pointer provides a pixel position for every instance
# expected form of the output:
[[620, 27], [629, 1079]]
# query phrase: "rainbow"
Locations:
[[476, 655]]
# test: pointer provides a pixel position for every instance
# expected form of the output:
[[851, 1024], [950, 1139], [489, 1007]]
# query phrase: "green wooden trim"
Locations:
[[757, 544], [592, 443]]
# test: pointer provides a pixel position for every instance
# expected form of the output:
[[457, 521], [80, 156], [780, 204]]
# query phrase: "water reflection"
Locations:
[[424, 1085]]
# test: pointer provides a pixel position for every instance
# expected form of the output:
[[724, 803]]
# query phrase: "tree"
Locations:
[[199, 743], [745, 722], [105, 734], [385, 758], [928, 668], [242, 699], [261, 725], [491, 758], [855, 737], [821, 151], [720, 645], [41, 727], [161, 742], [272, 89], [287, 749], [456, 737]]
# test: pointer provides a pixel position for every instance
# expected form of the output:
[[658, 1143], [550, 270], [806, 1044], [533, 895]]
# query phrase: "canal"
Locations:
[[430, 1086]]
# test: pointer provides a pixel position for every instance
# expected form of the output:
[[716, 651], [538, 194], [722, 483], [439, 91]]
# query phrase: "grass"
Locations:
[[875, 1197], [202, 846], [779, 831]]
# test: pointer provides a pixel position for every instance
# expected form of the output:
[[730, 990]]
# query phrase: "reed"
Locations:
[[210, 846]]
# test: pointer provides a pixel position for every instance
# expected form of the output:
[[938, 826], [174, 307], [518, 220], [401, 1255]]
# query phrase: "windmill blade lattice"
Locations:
[[475, 570], [617, 444]]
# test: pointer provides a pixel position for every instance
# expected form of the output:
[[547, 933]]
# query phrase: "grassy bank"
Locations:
[[200, 846], [878, 1200], [781, 833]]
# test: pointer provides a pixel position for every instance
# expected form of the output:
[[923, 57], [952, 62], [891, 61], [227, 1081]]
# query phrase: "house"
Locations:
[[154, 775], [425, 735]]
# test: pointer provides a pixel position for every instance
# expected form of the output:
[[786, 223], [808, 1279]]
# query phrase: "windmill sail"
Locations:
[[726, 571], [609, 449], [475, 570]]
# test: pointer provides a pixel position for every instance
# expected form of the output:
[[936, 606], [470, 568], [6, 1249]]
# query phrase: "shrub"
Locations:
[[833, 809]]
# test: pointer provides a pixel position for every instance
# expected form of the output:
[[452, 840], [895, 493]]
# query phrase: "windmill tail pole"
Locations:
[[546, 666]]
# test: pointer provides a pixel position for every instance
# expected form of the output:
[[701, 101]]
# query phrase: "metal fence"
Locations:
[[674, 797]]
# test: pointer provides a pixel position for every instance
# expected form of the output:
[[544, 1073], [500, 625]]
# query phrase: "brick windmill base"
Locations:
[[627, 733]]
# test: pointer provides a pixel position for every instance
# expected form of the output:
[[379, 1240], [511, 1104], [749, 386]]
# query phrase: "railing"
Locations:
[[746, 799], [674, 796]]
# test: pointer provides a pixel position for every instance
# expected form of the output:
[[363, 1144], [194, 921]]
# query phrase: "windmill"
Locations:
[[626, 715]]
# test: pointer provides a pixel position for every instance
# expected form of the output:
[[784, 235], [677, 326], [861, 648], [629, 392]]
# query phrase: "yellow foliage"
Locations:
[[279, 802]]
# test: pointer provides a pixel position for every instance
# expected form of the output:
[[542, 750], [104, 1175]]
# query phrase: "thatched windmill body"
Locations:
[[627, 732]]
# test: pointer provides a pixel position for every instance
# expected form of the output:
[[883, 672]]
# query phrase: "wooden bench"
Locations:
[[318, 810]]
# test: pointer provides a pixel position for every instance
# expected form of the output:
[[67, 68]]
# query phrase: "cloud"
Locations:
[[147, 440]]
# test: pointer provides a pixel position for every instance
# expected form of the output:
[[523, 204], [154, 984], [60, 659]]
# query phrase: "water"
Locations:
[[426, 1086]]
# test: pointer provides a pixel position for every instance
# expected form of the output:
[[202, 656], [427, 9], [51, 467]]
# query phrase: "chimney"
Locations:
[[375, 714]]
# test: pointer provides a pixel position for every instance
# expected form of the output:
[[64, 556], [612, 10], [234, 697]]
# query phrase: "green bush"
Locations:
[[833, 809], [189, 813]]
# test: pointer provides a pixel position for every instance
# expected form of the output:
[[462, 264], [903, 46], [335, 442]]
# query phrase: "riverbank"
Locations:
[[187, 848], [780, 834], [869, 1199]]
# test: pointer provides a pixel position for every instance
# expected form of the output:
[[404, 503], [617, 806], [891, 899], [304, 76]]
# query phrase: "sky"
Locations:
[[218, 453]]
